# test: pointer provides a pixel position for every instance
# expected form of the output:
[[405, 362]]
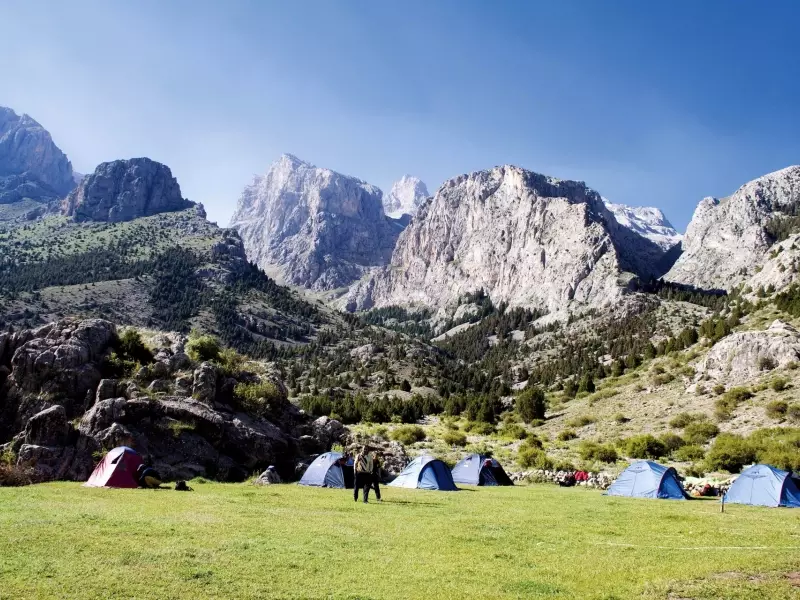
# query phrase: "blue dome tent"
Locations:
[[764, 485], [426, 473], [476, 469], [646, 479], [329, 470]]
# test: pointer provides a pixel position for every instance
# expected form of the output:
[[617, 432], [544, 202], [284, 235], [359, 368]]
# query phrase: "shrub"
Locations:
[[570, 389], [779, 384], [454, 438], [566, 435], [531, 404], [689, 453], [593, 451], [515, 431], [203, 347], [777, 409], [725, 405], [262, 398], [699, 432], [581, 421], [479, 428], [644, 446], [620, 418], [793, 413], [719, 389], [672, 441], [681, 420], [405, 386], [11, 476], [586, 384], [132, 347], [779, 446], [730, 452], [230, 361], [766, 363], [533, 458], [408, 434]]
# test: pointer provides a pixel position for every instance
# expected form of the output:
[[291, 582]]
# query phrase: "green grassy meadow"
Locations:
[[61, 540]]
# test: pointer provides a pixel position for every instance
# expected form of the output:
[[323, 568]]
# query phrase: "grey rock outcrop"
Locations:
[[123, 190], [647, 221], [31, 165], [728, 239], [524, 238], [743, 356], [405, 197], [313, 227]]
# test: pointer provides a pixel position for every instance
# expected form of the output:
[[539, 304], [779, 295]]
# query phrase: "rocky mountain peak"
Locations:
[[31, 165], [123, 190], [524, 238], [647, 221], [405, 197], [313, 227], [728, 239]]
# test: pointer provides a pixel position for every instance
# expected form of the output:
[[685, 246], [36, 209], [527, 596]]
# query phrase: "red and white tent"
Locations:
[[117, 469]]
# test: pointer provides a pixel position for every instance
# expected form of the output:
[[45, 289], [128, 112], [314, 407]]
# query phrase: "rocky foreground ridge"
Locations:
[[63, 402], [526, 239]]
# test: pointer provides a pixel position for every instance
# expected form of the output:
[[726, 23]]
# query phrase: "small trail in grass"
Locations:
[[697, 547]]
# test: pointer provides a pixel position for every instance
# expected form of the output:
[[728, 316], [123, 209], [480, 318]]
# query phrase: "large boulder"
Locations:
[[743, 356], [204, 387], [48, 428], [327, 431]]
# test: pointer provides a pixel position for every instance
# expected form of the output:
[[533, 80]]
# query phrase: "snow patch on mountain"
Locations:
[[647, 221], [405, 197]]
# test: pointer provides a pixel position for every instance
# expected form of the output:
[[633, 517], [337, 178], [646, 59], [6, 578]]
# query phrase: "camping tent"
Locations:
[[764, 485], [476, 469], [327, 471], [646, 479], [427, 473], [117, 469]]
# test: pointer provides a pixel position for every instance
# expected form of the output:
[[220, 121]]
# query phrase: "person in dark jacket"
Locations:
[[363, 470], [148, 477], [377, 464]]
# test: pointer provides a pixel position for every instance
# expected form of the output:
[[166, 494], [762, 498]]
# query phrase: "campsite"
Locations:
[[289, 541]]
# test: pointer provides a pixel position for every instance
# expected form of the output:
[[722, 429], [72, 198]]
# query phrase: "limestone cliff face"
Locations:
[[728, 239], [31, 165], [313, 227], [124, 190], [526, 239], [405, 197]]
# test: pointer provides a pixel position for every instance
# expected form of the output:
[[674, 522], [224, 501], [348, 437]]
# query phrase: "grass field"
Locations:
[[238, 541]]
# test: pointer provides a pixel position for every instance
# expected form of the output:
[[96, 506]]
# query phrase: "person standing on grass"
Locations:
[[376, 474], [363, 471]]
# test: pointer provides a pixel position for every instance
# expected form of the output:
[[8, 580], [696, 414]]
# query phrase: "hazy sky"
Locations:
[[651, 103]]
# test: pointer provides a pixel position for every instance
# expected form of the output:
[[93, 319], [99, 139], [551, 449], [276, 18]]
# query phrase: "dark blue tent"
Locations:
[[764, 485], [327, 470], [426, 473], [646, 479], [476, 469]]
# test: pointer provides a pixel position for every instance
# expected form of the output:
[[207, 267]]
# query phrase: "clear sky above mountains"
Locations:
[[649, 103]]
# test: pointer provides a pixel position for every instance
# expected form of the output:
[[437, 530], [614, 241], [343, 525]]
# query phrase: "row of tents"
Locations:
[[760, 485]]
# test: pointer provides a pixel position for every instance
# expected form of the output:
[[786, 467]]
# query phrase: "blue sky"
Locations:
[[651, 103]]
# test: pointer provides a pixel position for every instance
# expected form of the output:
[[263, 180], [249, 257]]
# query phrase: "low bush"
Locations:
[[766, 363], [231, 362], [777, 409], [533, 458], [132, 347], [203, 347], [261, 398], [454, 438], [778, 446], [566, 434], [730, 452], [479, 428], [672, 441], [689, 453], [779, 384], [681, 420], [515, 431], [699, 432], [620, 418], [12, 476], [793, 413], [644, 446], [408, 434], [726, 405], [531, 404], [719, 389], [594, 451], [581, 421]]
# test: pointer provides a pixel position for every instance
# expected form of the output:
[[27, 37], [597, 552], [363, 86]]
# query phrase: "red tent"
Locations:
[[117, 469]]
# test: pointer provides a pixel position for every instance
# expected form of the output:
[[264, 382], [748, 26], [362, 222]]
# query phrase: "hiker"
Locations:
[[363, 471], [148, 477], [376, 474]]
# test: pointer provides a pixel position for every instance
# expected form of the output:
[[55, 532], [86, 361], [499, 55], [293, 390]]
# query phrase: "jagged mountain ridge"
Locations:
[[313, 227], [728, 239], [526, 239], [405, 197], [33, 170], [646, 221]]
